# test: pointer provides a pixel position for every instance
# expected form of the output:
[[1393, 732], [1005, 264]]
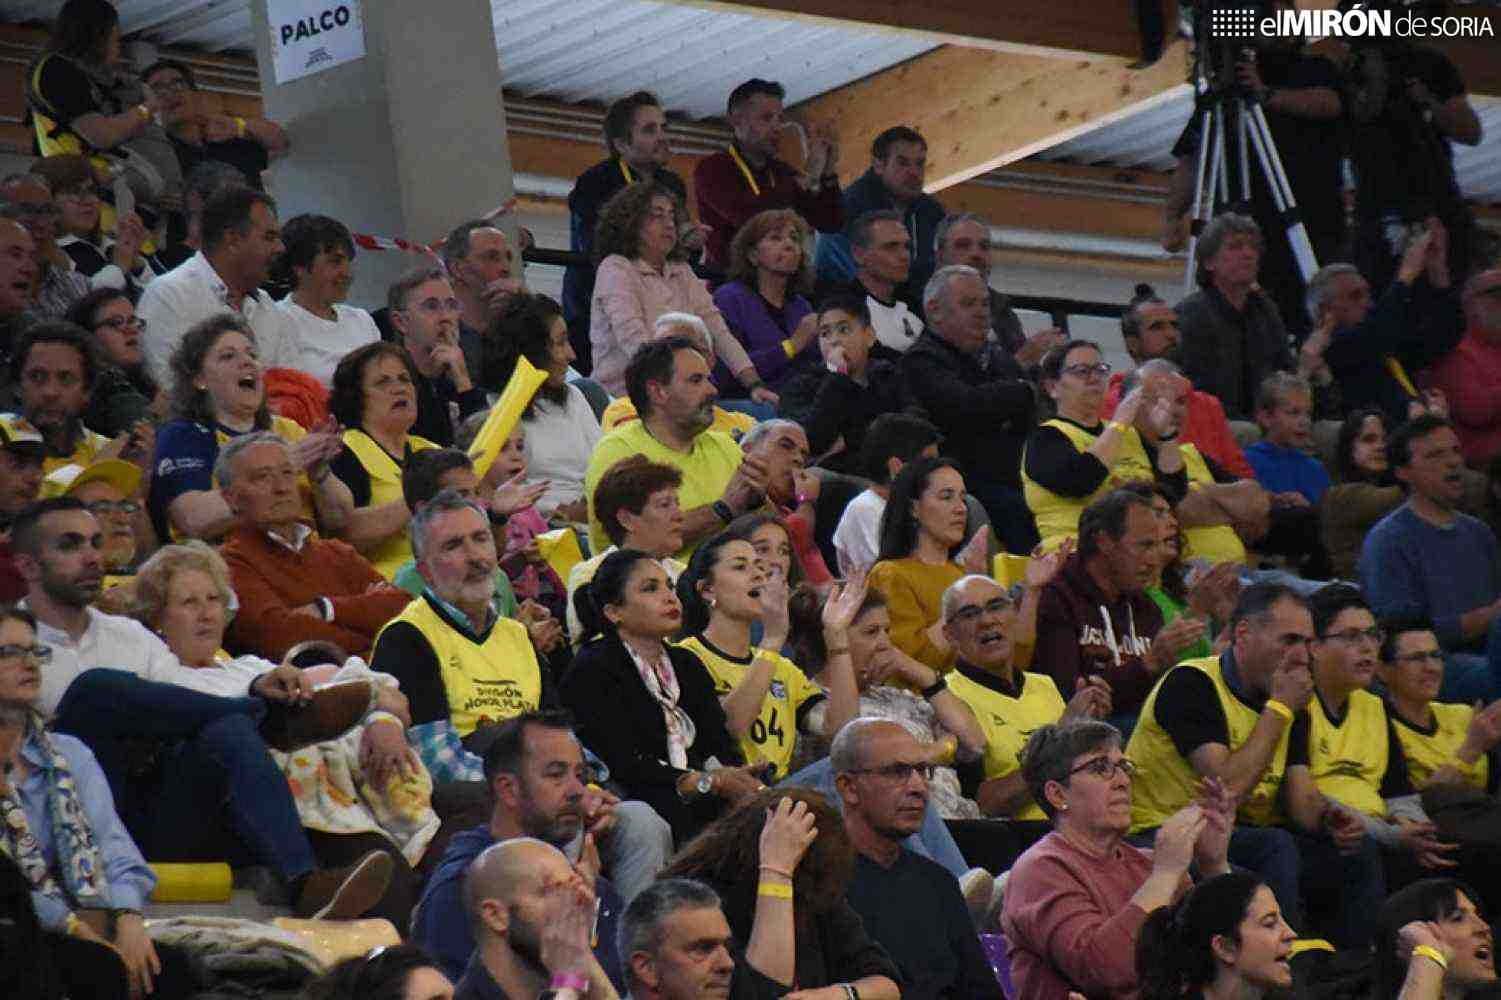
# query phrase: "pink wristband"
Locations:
[[569, 981]]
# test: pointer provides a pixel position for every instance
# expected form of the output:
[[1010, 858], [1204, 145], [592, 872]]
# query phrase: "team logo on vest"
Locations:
[[778, 690], [499, 699]]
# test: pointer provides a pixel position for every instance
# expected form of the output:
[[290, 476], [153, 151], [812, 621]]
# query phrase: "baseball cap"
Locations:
[[16, 432], [118, 473]]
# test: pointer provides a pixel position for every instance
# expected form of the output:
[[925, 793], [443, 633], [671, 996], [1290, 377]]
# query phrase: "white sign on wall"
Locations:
[[310, 36]]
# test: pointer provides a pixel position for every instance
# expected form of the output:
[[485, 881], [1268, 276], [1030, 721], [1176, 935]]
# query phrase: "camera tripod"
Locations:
[[1232, 124]]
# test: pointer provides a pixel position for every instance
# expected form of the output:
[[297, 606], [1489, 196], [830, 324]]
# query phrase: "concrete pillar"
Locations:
[[408, 141]]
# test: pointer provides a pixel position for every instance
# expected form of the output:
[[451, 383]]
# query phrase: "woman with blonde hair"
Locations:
[[364, 791], [763, 303]]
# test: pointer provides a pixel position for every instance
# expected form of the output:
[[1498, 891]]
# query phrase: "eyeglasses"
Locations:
[[1085, 371], [82, 197], [121, 323], [114, 507], [1351, 636], [35, 653], [899, 772], [971, 613], [1104, 767], [1422, 656]]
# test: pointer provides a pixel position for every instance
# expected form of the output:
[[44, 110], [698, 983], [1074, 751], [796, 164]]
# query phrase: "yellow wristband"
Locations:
[[72, 925], [1429, 951], [775, 890], [1279, 708], [240, 127], [789, 348], [1117, 426]]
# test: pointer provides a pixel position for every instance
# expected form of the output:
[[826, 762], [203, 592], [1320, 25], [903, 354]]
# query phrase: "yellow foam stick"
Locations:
[[524, 383], [206, 882]]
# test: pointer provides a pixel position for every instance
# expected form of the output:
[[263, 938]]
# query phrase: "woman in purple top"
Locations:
[[770, 267]]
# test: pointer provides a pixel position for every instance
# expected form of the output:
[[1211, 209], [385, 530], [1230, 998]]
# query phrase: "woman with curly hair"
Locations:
[[641, 276], [786, 849], [763, 302], [219, 392]]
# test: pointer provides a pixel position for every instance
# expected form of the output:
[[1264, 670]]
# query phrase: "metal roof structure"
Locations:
[[590, 50]]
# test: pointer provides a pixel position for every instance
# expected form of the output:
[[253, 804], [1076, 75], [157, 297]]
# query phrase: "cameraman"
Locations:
[[1406, 105], [1300, 93]]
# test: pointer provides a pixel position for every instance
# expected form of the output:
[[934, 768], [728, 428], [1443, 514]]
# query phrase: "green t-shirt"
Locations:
[[1171, 612]]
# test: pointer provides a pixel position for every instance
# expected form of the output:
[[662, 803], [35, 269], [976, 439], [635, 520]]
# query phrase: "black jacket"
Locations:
[[985, 413], [1227, 353], [1417, 325], [831, 406]]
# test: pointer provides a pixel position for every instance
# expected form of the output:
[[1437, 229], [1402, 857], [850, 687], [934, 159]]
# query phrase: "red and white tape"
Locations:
[[367, 242]]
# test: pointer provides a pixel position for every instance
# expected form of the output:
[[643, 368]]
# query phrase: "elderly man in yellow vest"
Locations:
[[1230, 717], [461, 664]]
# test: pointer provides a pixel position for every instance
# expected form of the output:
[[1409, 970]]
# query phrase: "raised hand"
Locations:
[[1043, 567], [1292, 686], [1173, 847], [975, 556], [1091, 700], [787, 834], [1125, 412], [514, 494], [567, 922], [843, 603]]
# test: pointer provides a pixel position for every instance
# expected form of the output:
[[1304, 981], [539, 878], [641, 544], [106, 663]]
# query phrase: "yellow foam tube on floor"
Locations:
[[208, 882]]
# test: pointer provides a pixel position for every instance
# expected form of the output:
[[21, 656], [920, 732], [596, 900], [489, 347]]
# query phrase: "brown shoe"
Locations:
[[333, 711], [345, 893]]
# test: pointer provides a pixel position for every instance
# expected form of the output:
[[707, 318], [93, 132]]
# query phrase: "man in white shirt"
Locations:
[[882, 249], [320, 327], [241, 238], [176, 755], [893, 440]]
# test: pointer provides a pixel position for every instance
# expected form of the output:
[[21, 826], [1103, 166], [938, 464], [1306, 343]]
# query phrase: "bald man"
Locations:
[[532, 915], [911, 906]]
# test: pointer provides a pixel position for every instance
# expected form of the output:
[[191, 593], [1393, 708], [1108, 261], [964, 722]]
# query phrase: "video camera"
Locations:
[[1215, 54]]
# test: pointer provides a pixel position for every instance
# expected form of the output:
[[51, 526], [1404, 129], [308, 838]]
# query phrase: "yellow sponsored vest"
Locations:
[[1349, 760], [85, 453], [494, 679], [1427, 752], [1057, 515], [1218, 543], [385, 486], [772, 737], [1166, 780], [1008, 722]]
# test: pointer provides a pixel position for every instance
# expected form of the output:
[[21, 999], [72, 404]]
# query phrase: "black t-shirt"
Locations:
[[68, 93], [1401, 160], [245, 155]]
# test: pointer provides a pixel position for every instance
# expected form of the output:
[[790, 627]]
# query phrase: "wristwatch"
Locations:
[[705, 784], [723, 511]]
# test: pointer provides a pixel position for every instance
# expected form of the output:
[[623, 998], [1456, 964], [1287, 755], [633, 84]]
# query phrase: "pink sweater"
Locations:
[[1069, 922]]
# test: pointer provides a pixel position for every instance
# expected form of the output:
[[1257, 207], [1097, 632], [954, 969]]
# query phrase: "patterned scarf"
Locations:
[[662, 683], [73, 841]]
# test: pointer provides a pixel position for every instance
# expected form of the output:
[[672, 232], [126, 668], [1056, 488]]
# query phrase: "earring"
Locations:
[[1063, 808], [713, 603]]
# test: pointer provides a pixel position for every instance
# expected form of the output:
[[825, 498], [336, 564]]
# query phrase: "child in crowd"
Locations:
[[516, 542], [1284, 468]]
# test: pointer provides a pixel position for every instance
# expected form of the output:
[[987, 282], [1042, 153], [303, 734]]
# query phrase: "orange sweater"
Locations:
[[272, 581]]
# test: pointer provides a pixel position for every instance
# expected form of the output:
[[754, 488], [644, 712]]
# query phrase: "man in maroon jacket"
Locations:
[[292, 585], [1095, 618], [747, 178]]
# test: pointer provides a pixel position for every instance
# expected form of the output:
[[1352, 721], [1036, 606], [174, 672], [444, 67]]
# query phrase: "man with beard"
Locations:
[[668, 381], [241, 238], [635, 133], [539, 785], [1150, 330], [534, 915], [911, 906], [176, 748], [54, 367]]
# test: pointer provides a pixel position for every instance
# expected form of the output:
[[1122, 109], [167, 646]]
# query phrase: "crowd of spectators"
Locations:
[[1102, 683]]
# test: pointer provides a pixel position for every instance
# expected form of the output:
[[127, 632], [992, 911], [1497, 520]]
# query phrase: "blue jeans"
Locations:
[[1009, 514], [933, 841], [212, 762], [1474, 676], [1299, 868]]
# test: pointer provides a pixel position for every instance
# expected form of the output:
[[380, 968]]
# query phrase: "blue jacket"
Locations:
[[836, 264], [440, 923], [1288, 470]]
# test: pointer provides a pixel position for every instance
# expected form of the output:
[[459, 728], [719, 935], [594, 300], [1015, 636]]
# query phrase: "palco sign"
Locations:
[[310, 36]]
